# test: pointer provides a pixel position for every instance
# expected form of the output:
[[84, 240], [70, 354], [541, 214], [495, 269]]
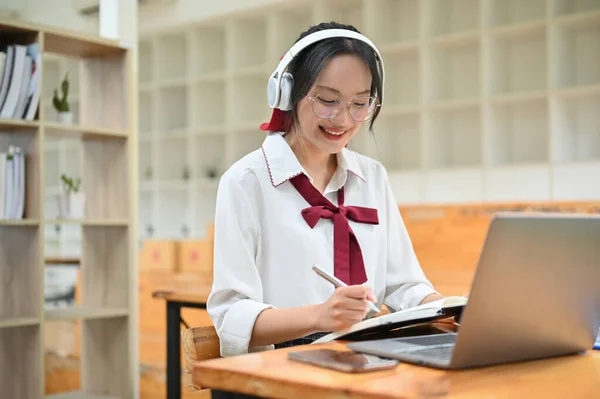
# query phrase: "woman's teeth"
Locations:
[[332, 132]]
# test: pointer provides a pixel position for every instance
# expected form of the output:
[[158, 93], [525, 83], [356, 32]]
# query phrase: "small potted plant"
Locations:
[[71, 202], [61, 104]]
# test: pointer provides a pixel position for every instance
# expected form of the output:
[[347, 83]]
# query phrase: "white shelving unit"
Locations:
[[486, 100]]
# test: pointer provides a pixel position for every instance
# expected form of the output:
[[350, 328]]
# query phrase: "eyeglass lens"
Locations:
[[327, 105]]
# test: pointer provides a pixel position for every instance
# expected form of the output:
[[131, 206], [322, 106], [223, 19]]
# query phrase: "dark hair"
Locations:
[[309, 63]]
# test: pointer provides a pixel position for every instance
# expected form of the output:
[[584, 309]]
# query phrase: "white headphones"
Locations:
[[279, 89]]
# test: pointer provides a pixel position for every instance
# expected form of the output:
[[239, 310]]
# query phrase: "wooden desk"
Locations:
[[175, 301], [271, 374]]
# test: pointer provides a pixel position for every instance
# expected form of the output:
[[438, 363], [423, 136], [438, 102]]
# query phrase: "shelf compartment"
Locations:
[[102, 93], [577, 53], [512, 12], [407, 186], [454, 186], [210, 104], [172, 163], [104, 272], [243, 142], [20, 272], [209, 162], [209, 43], [20, 222], [105, 176], [397, 21], [172, 56], [566, 7], [343, 11], [518, 183], [173, 108], [52, 164], [518, 60], [146, 113], [399, 141], [402, 78], [250, 99], [145, 161], [204, 211], [576, 182], [79, 44], [90, 222], [519, 133], [289, 23], [146, 212], [146, 60], [84, 313], [65, 130], [452, 16], [20, 367], [174, 213], [16, 125], [104, 342], [250, 42], [62, 355], [456, 71], [19, 322], [576, 136], [28, 143], [455, 138]]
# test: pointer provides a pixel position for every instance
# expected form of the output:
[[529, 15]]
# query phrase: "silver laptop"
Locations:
[[535, 294]]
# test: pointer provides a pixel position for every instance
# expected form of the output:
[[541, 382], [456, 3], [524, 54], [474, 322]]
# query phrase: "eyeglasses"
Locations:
[[327, 105]]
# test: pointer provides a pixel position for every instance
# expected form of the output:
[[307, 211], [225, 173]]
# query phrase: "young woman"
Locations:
[[304, 198]]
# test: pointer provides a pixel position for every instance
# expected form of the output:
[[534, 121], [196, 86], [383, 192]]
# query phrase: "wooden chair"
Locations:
[[199, 343]]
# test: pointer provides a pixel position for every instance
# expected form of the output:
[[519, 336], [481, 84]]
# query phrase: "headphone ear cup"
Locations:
[[285, 93], [272, 92]]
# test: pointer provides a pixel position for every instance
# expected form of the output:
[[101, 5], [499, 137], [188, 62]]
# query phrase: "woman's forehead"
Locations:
[[345, 75]]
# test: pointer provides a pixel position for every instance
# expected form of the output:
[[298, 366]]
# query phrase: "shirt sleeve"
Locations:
[[406, 284], [236, 298]]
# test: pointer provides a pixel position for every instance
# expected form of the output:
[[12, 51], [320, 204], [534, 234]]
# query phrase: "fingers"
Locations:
[[350, 303], [357, 292], [345, 317]]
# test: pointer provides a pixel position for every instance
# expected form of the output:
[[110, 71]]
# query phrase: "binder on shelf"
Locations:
[[20, 89], [12, 184]]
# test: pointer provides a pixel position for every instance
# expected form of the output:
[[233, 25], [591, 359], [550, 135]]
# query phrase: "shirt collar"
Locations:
[[282, 163]]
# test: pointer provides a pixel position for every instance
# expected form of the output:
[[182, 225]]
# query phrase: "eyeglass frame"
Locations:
[[342, 102]]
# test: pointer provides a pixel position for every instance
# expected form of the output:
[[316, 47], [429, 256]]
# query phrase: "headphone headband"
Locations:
[[275, 81]]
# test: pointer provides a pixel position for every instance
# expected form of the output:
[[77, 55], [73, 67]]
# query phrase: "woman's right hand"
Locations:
[[347, 306]]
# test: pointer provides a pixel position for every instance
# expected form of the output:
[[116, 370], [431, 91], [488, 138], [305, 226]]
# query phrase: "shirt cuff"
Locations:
[[409, 296], [236, 330]]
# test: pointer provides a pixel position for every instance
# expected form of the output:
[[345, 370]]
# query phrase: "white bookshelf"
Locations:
[[486, 100]]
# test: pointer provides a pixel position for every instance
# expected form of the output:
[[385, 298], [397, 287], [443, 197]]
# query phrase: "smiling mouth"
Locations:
[[333, 132]]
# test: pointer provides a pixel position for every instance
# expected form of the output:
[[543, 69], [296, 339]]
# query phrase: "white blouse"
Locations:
[[264, 249]]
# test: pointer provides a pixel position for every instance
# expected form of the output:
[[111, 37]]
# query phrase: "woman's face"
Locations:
[[348, 77]]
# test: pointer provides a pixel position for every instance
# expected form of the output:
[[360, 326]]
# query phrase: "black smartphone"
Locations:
[[346, 361]]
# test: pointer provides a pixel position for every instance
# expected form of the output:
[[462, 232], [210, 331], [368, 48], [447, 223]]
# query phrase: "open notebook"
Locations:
[[440, 309]]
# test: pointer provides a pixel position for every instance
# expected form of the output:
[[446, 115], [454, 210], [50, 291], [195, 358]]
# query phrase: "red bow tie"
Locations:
[[348, 261]]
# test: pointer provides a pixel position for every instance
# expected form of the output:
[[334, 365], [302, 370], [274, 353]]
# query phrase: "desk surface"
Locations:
[[198, 295], [271, 374]]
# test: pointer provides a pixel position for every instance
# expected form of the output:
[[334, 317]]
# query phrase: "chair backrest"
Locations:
[[199, 343]]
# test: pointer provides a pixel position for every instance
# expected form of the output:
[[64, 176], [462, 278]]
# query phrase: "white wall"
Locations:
[[181, 12], [10, 7], [60, 13]]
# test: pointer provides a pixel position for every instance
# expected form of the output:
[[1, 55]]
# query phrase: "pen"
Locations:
[[339, 283]]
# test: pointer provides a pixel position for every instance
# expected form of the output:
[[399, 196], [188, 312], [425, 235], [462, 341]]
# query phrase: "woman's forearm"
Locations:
[[273, 326], [431, 298]]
